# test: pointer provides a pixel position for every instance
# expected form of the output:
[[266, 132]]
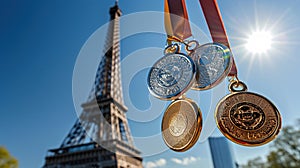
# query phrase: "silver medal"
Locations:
[[172, 75], [213, 62]]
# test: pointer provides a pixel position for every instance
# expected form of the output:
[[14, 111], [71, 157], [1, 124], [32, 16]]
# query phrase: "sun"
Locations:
[[259, 42]]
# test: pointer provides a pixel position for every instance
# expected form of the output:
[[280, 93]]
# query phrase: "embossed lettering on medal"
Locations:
[[248, 118], [245, 118]]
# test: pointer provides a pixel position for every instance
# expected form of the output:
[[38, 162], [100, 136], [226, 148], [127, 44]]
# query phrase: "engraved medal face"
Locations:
[[177, 125], [248, 119], [171, 76], [181, 125], [247, 116], [213, 62]]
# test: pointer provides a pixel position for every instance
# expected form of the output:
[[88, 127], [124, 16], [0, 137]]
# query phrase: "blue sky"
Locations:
[[40, 43]]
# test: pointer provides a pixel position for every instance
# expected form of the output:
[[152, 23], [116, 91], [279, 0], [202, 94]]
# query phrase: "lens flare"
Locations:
[[259, 42]]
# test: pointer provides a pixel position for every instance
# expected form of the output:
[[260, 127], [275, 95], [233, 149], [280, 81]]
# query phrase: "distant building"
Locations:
[[221, 152]]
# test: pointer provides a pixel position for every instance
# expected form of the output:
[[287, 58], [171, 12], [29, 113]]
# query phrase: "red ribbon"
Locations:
[[216, 27], [176, 20]]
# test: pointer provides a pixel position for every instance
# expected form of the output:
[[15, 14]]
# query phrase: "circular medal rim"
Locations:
[[198, 127], [247, 143], [188, 86], [224, 74]]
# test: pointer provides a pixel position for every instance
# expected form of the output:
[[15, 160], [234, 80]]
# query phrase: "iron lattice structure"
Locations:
[[101, 137]]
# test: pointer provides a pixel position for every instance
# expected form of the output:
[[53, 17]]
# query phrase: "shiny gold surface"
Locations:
[[247, 118], [181, 125]]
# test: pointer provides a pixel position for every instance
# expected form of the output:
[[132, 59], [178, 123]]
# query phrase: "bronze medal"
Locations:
[[181, 124], [247, 118]]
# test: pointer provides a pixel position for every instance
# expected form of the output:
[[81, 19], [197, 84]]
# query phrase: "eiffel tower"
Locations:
[[101, 138]]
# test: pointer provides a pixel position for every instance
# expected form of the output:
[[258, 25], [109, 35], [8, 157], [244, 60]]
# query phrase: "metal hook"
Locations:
[[176, 39], [235, 84]]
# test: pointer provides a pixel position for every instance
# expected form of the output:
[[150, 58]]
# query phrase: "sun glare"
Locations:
[[259, 42]]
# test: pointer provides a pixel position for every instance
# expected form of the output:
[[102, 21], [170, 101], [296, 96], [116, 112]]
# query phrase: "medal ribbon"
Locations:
[[176, 20], [216, 26]]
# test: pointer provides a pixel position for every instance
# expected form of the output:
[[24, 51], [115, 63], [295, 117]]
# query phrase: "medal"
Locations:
[[172, 75], [244, 117], [181, 124], [247, 118], [213, 62]]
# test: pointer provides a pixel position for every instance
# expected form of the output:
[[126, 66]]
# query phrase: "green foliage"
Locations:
[[6, 160], [285, 151], [255, 163]]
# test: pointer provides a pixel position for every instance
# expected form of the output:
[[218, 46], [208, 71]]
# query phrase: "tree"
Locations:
[[255, 163], [6, 160], [285, 151], [274, 160]]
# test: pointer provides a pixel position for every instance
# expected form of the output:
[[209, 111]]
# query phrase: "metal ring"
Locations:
[[171, 49], [235, 84], [189, 44], [232, 78]]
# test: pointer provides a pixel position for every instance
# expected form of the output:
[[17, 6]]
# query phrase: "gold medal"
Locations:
[[181, 124], [247, 118]]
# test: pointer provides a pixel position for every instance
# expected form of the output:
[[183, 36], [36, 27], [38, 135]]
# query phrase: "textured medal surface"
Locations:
[[213, 61], [181, 125], [248, 119], [171, 76]]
